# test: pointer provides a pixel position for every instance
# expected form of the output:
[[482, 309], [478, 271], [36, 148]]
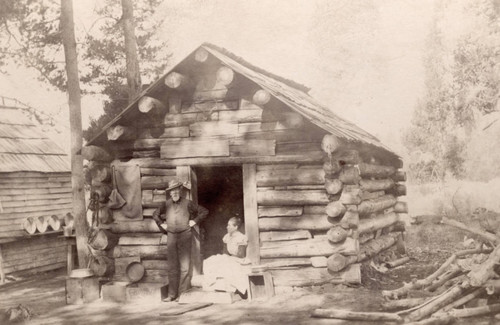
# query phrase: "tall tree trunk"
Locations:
[[133, 73], [75, 120]]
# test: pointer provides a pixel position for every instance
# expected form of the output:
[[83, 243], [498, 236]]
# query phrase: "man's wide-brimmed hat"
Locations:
[[175, 183]]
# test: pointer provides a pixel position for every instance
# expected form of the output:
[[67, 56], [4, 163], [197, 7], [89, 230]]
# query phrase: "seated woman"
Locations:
[[227, 272]]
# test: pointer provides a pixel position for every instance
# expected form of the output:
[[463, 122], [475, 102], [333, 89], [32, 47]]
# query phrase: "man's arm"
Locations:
[[158, 212], [197, 212]]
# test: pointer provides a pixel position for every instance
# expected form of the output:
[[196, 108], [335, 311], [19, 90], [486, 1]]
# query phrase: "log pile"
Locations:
[[466, 276]]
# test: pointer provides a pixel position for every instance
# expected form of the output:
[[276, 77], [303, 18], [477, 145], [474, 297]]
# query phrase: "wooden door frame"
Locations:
[[251, 213]]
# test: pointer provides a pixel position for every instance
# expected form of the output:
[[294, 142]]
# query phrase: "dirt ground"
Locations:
[[428, 245]]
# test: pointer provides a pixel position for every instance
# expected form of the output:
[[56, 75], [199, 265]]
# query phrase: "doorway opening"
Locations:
[[220, 190]]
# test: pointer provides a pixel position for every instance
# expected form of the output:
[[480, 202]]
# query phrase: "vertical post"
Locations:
[[186, 173], [2, 273], [251, 216]]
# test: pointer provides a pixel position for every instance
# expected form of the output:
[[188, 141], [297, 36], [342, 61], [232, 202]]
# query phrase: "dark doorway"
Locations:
[[220, 190]]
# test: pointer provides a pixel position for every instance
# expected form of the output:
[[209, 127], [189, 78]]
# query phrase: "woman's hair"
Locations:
[[236, 221]]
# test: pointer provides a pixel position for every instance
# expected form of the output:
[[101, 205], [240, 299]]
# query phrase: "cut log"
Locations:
[[337, 234], [308, 222], [261, 97], [157, 172], [351, 194], [371, 195], [375, 171], [376, 205], [311, 276], [349, 175], [318, 261], [396, 263], [355, 315], [331, 168], [329, 144], [95, 153], [294, 197], [401, 207], [284, 235], [149, 104], [372, 185], [268, 264], [30, 225], [42, 224], [54, 222], [102, 266], [350, 218], [201, 55], [477, 311], [142, 251], [435, 320], [452, 273], [397, 190], [225, 75], [284, 177], [377, 222], [399, 176], [155, 182], [283, 211], [120, 132], [350, 157], [488, 237], [146, 225], [333, 186], [402, 303], [176, 80], [140, 239], [308, 248], [335, 209]]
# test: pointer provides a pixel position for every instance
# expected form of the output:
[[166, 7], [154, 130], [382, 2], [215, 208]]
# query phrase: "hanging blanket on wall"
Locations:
[[128, 184]]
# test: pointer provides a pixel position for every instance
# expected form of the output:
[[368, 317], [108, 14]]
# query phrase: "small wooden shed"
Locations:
[[307, 182], [35, 187]]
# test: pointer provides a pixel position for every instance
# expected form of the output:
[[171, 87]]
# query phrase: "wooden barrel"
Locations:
[[135, 271]]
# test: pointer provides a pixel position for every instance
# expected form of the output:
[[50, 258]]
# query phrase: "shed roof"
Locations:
[[25, 147], [287, 91]]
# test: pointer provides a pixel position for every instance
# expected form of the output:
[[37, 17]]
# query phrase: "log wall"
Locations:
[[38, 196]]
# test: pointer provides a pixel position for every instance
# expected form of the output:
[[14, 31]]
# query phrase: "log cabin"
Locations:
[[35, 194], [316, 192]]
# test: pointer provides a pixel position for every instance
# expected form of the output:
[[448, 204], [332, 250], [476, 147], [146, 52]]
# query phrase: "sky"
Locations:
[[361, 58]]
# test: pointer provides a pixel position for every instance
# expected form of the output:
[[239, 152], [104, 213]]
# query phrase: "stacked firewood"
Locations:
[[465, 276]]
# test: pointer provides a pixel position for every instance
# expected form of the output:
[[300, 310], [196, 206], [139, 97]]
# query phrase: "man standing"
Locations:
[[181, 215]]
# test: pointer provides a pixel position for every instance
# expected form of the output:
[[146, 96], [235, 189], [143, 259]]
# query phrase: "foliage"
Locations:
[[462, 84], [30, 36]]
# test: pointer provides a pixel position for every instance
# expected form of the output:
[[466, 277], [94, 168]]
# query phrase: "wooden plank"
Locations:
[[139, 239], [284, 235], [282, 211], [244, 128], [155, 276], [17, 175], [276, 166], [285, 148], [2, 271], [252, 147], [146, 225], [26, 203], [38, 213], [213, 128], [309, 222], [295, 176], [314, 209], [26, 197], [35, 191], [45, 208], [242, 115], [295, 197], [251, 214], [44, 185], [195, 148]]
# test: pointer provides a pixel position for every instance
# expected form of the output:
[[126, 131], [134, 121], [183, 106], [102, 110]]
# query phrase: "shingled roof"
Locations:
[[25, 147], [287, 91]]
